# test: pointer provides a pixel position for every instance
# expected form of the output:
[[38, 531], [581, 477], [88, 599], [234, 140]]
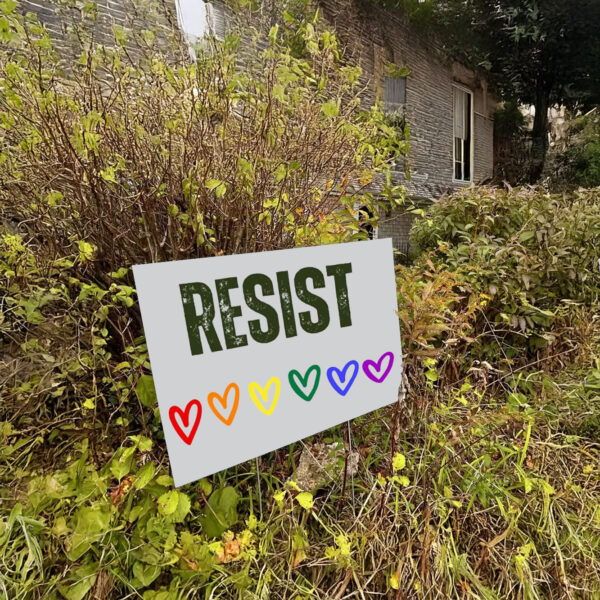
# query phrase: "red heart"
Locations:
[[185, 418]]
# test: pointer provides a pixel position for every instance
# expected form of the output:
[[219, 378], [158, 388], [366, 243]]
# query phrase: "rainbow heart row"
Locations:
[[341, 380]]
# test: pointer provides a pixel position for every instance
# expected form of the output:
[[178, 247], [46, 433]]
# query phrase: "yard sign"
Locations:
[[255, 351]]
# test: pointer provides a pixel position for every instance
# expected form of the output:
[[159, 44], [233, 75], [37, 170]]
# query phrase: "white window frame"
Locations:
[[210, 14], [472, 141]]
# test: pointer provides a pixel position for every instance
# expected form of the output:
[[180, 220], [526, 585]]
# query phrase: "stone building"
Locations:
[[447, 107]]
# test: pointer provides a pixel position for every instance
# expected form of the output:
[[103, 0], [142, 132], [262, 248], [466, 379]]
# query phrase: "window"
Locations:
[[463, 134], [394, 94], [199, 19], [365, 222]]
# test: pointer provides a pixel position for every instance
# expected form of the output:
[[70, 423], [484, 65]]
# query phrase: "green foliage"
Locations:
[[508, 120], [507, 451], [580, 163], [540, 52], [527, 46], [128, 158], [525, 252], [221, 512]]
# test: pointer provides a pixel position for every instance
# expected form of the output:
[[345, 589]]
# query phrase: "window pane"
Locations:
[[199, 18], [192, 15], [467, 160], [394, 93], [463, 135], [460, 107], [458, 149]]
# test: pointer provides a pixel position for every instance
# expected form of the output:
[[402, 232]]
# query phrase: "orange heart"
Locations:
[[223, 402]]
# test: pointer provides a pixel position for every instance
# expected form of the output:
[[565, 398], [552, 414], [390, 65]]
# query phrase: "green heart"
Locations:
[[295, 375]]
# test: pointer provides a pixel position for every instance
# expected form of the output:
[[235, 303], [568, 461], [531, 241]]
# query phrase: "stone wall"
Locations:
[[375, 37], [61, 20]]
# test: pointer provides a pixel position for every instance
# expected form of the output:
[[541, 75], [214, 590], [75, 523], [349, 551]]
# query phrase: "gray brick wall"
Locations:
[[61, 18], [396, 225], [373, 37]]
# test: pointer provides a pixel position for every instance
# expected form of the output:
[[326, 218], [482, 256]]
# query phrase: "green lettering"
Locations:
[[312, 300], [262, 308], [194, 322], [339, 272], [229, 313], [287, 308]]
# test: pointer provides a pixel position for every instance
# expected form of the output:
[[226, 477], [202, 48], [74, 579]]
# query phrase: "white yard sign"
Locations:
[[253, 352]]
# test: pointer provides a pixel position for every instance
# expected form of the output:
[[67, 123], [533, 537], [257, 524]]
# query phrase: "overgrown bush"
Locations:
[[528, 253], [125, 159], [150, 158]]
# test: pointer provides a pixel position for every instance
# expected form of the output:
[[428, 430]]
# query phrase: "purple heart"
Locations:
[[341, 375], [372, 369]]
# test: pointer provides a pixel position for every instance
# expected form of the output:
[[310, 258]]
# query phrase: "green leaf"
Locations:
[[165, 480], [431, 374], [89, 404], [183, 508], [145, 391], [305, 500], [167, 503], [7, 6], [91, 523], [205, 486], [122, 462], [108, 174], [526, 236], [144, 476], [86, 251], [398, 462], [273, 34], [145, 574], [216, 186], [330, 109], [280, 173], [221, 512], [85, 578], [245, 168]]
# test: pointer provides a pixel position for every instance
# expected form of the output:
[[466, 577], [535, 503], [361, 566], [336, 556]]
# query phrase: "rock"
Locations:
[[322, 465]]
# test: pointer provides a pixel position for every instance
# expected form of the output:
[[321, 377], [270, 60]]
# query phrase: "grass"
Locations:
[[497, 496]]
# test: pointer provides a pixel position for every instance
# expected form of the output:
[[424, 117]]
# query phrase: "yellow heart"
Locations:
[[260, 396]]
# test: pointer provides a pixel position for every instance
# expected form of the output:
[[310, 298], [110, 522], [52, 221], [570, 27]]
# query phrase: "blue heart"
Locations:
[[342, 391]]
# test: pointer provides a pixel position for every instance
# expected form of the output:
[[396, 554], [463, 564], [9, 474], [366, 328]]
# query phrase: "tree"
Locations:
[[540, 52]]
